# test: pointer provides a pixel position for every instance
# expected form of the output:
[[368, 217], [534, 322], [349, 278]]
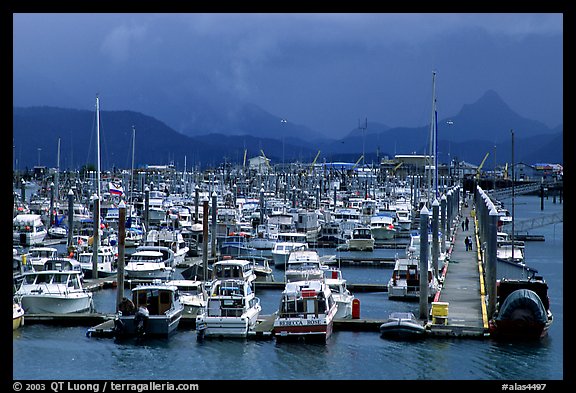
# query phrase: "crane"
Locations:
[[395, 168], [265, 158], [357, 162], [481, 165], [314, 162]]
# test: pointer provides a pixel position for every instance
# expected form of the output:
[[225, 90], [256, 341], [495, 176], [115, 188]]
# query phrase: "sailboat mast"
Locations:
[[432, 149], [98, 148], [132, 171]]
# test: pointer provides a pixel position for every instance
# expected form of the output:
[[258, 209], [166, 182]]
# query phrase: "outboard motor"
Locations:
[[141, 321]]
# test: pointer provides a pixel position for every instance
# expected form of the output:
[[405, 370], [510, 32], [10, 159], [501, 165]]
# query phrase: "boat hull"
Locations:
[[55, 304], [227, 326], [286, 329], [157, 325]]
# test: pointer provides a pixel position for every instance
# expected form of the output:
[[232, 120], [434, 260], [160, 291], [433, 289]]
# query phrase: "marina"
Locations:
[[458, 310]]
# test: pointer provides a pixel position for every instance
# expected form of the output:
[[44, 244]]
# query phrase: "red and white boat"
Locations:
[[307, 311]]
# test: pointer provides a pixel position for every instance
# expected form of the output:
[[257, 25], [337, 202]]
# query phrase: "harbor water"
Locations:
[[44, 352]]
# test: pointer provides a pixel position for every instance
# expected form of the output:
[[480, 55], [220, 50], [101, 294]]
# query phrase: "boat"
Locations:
[[307, 311], [54, 291], [403, 325], [191, 295], [58, 232], [262, 269], [361, 240], [150, 262], [342, 296], [508, 251], [154, 310], [171, 239], [134, 237], [304, 265], [231, 310], [382, 227], [522, 309], [331, 235], [237, 245], [38, 256], [404, 284], [28, 229], [107, 262], [17, 315], [282, 250]]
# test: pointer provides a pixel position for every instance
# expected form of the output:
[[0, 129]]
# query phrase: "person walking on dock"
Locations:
[[467, 243], [467, 222], [462, 225]]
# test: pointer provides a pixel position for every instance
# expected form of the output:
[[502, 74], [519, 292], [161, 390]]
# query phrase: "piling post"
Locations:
[[23, 190], [146, 209], [443, 222], [121, 253], [51, 204], [491, 262], [70, 216], [95, 236], [423, 268], [435, 245], [214, 229], [205, 238], [196, 201]]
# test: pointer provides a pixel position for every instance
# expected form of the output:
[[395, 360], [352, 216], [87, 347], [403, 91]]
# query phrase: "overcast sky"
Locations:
[[325, 71]]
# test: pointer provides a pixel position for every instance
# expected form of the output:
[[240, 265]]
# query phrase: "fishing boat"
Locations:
[[342, 296], [191, 293], [382, 227], [307, 311], [107, 262], [38, 256], [402, 325], [231, 310], [28, 230], [404, 284], [304, 265], [282, 250], [361, 240], [150, 262], [522, 309], [54, 291], [154, 310]]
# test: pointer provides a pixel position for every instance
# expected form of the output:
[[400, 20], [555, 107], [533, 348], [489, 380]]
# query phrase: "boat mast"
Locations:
[[97, 210], [433, 147], [513, 180], [130, 206]]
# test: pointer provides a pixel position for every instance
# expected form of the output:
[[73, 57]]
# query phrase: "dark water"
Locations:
[[56, 353]]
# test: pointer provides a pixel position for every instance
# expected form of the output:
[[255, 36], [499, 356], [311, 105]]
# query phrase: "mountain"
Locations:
[[478, 129]]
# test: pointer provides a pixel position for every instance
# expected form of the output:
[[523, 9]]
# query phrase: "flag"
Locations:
[[115, 189]]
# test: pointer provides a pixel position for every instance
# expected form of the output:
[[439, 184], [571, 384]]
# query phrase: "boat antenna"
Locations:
[[513, 218]]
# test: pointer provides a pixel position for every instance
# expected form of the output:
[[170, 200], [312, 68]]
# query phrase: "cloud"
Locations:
[[117, 44]]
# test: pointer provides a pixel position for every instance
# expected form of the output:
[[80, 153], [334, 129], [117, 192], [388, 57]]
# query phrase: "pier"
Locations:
[[462, 291]]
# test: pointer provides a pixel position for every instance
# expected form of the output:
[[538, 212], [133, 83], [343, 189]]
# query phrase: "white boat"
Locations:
[[402, 325], [154, 310], [134, 237], [382, 227], [191, 295], [361, 240], [404, 284], [58, 232], [107, 262], [342, 296], [54, 291], [28, 229], [232, 309], [171, 239], [403, 219], [304, 265], [282, 250], [150, 262], [38, 256], [17, 315], [307, 311], [508, 251]]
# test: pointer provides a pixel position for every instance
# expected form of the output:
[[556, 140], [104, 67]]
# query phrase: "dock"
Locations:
[[462, 291]]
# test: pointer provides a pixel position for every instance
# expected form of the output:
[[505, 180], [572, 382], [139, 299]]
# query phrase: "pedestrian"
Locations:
[[462, 225], [467, 222], [467, 242]]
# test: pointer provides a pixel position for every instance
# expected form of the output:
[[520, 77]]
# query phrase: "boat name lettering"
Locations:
[[300, 322]]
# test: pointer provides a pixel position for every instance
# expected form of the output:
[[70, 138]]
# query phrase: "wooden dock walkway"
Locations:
[[463, 287]]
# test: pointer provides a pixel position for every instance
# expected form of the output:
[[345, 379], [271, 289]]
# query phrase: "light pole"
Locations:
[[39, 150], [283, 121]]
